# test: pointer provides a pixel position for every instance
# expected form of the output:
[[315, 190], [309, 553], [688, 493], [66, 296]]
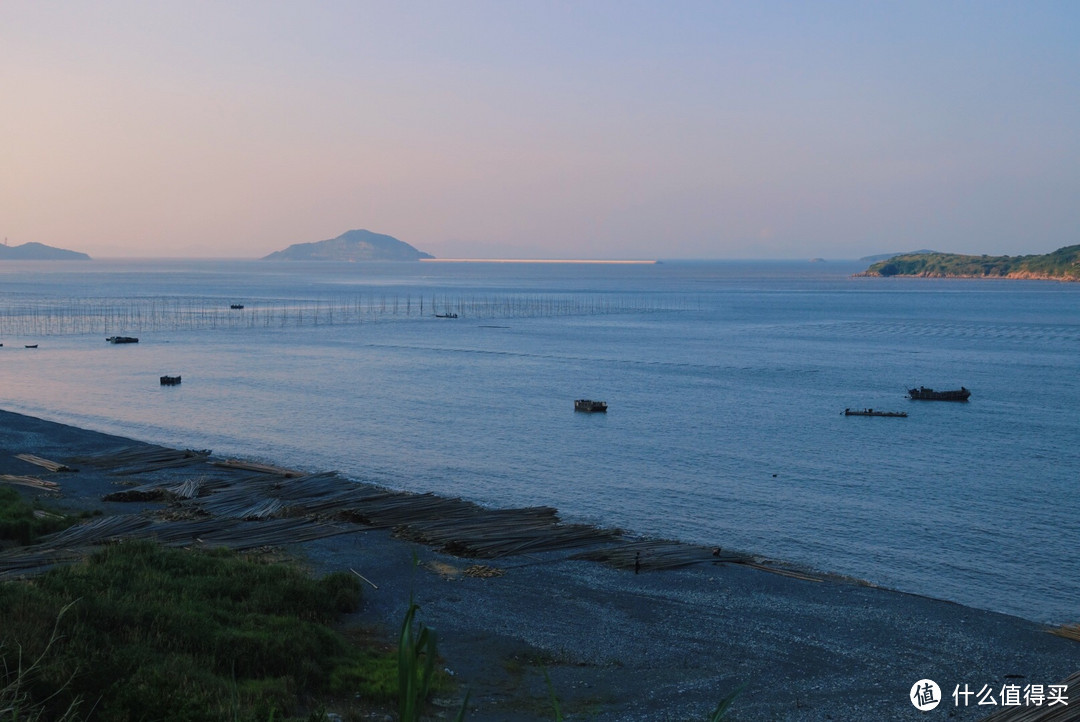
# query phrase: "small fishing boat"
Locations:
[[924, 394], [874, 412], [236, 306], [122, 339], [446, 315], [170, 380], [31, 345], [589, 406]]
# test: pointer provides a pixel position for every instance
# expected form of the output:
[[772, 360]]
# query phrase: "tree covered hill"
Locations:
[[1061, 265]]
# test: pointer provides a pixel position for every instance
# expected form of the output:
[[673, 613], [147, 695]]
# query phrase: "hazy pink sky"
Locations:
[[541, 129]]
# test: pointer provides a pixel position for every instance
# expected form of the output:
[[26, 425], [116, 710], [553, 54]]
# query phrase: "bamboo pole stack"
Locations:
[[44, 463], [31, 481]]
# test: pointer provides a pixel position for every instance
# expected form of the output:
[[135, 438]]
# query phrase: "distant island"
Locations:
[[39, 252], [1061, 265], [350, 247]]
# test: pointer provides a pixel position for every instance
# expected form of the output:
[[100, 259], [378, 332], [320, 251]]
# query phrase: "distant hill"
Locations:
[[39, 252], [886, 256], [350, 247], [1061, 265]]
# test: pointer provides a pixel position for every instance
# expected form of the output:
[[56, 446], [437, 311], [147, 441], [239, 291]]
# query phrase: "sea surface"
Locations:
[[726, 384]]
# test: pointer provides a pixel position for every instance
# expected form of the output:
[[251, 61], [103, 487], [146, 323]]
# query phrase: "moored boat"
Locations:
[[170, 380], [122, 339], [873, 412], [924, 394], [590, 406]]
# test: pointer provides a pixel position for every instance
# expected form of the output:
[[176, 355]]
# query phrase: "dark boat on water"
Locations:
[[924, 394], [872, 412], [122, 339], [170, 380], [590, 406], [236, 306], [446, 315]]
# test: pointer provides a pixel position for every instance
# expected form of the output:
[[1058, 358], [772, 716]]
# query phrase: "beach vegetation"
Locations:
[[24, 522], [417, 653], [138, 631], [555, 707], [720, 711]]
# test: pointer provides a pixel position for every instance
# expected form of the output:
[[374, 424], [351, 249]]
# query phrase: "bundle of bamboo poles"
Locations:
[[491, 534], [262, 468], [21, 561], [654, 554], [144, 458], [31, 481], [73, 543], [96, 531], [186, 489], [44, 463], [1069, 631]]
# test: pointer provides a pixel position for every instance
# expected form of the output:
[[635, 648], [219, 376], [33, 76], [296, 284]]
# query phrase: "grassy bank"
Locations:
[[23, 522], [143, 632]]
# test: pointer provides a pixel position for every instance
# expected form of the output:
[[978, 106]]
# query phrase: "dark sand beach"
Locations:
[[662, 644]]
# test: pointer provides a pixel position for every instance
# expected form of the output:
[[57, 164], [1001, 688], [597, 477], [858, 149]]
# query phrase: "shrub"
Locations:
[[155, 633]]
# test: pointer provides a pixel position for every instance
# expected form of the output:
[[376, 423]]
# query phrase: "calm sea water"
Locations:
[[726, 384]]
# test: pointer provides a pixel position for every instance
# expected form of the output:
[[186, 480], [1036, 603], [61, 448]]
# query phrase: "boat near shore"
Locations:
[[875, 412], [122, 339], [924, 394], [589, 406]]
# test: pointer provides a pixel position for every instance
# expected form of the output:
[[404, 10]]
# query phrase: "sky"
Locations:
[[587, 129]]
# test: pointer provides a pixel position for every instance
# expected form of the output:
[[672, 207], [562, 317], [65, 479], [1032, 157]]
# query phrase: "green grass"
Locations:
[[162, 634], [24, 523]]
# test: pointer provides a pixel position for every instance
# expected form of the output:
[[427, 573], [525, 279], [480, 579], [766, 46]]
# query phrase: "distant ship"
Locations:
[[924, 394], [590, 406]]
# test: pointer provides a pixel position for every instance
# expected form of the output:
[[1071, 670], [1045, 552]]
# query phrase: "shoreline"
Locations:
[[664, 644]]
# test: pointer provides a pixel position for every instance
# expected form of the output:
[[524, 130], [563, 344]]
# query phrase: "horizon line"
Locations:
[[531, 260]]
